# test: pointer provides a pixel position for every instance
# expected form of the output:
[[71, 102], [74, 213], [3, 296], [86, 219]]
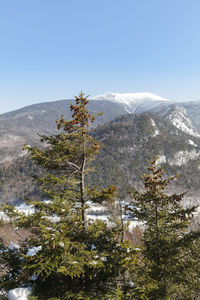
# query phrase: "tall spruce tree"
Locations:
[[69, 155], [66, 255], [170, 266]]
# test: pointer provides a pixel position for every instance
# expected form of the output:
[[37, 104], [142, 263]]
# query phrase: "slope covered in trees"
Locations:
[[129, 142], [68, 256]]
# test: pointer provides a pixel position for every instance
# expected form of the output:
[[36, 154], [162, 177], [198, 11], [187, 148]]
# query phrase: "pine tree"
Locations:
[[67, 256], [170, 257]]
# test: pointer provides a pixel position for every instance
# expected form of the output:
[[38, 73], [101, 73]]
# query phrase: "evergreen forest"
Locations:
[[63, 254]]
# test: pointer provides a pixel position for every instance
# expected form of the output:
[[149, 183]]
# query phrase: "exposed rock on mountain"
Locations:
[[191, 109], [178, 116], [131, 140]]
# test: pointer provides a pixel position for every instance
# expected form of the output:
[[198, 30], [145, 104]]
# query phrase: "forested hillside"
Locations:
[[23, 125], [129, 142], [63, 254]]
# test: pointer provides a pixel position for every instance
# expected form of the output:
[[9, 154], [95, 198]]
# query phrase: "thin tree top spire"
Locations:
[[154, 181], [81, 118]]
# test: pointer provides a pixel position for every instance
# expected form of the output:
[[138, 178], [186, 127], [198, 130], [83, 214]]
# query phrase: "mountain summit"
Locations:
[[134, 102], [127, 98]]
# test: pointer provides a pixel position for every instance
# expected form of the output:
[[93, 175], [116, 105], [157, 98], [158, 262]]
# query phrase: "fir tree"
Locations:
[[69, 154], [170, 258]]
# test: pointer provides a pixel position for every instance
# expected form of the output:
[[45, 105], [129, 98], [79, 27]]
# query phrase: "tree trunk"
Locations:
[[82, 191]]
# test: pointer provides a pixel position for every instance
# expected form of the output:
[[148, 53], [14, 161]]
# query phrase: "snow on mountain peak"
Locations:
[[128, 98], [133, 102], [143, 102]]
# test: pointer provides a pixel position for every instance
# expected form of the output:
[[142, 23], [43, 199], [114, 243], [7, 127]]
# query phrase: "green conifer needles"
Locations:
[[168, 238]]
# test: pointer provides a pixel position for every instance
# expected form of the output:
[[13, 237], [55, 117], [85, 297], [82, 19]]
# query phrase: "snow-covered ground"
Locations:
[[95, 212], [19, 294]]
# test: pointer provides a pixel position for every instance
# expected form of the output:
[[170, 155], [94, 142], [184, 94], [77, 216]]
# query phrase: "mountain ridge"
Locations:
[[21, 126], [129, 142], [167, 130]]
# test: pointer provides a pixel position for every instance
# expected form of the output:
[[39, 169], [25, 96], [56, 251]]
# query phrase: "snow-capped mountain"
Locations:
[[134, 102], [177, 115], [143, 102], [21, 126]]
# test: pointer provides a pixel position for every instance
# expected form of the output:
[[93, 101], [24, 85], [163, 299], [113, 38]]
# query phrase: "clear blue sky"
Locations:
[[52, 49]]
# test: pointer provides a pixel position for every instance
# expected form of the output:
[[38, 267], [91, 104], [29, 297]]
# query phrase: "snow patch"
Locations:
[[153, 123], [26, 209], [19, 294], [183, 157], [33, 251], [156, 132], [135, 223], [131, 284], [13, 246], [190, 142], [161, 159]]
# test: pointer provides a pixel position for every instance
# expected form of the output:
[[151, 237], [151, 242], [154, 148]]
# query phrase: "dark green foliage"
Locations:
[[170, 246]]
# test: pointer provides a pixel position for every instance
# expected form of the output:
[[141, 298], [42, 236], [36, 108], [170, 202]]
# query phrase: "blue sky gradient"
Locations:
[[53, 49]]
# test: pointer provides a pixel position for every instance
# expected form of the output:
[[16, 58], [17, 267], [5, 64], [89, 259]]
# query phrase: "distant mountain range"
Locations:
[[134, 128]]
